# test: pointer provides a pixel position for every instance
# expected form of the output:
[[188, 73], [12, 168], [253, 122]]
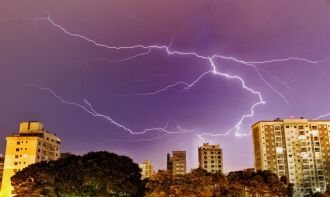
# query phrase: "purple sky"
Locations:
[[256, 30]]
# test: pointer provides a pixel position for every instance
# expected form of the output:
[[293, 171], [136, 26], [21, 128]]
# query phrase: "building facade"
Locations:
[[210, 158], [177, 164], [147, 169], [296, 148], [30, 145]]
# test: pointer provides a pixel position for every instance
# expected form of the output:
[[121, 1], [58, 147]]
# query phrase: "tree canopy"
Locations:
[[201, 183], [93, 174]]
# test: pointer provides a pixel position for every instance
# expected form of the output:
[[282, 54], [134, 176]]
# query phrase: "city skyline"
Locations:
[[51, 64]]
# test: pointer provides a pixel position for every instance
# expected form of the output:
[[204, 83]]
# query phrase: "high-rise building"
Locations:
[[176, 164], [30, 145], [147, 169], [210, 158], [296, 148]]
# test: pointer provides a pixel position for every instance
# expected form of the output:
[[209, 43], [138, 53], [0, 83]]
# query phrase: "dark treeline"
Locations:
[[107, 174], [201, 183]]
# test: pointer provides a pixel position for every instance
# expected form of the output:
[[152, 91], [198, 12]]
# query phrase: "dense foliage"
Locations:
[[201, 183], [94, 174]]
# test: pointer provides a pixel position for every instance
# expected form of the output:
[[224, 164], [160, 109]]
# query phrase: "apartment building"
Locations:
[[30, 145], [147, 169], [176, 164], [210, 158], [296, 148]]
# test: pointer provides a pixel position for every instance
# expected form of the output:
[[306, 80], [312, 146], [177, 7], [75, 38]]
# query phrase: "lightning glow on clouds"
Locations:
[[210, 60]]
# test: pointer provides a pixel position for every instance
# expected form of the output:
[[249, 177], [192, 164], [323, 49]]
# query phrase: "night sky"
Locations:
[[113, 81]]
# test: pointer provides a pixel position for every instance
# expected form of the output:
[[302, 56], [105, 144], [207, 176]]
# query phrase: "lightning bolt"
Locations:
[[123, 59], [87, 107], [321, 116], [90, 110], [179, 83]]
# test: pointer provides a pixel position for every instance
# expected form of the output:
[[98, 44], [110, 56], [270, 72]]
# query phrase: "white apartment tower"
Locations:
[[296, 148]]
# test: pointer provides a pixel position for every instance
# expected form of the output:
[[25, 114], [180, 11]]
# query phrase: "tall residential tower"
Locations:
[[296, 148], [30, 145]]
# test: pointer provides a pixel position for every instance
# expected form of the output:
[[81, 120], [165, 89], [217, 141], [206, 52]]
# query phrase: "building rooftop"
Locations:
[[290, 120]]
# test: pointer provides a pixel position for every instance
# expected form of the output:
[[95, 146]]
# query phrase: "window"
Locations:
[[15, 163], [18, 143], [17, 149], [16, 156]]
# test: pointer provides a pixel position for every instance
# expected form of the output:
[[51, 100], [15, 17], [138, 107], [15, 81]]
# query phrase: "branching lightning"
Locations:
[[179, 83], [90, 110], [87, 107]]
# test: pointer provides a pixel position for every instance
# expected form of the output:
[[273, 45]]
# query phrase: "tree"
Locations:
[[94, 174], [160, 184], [196, 183]]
